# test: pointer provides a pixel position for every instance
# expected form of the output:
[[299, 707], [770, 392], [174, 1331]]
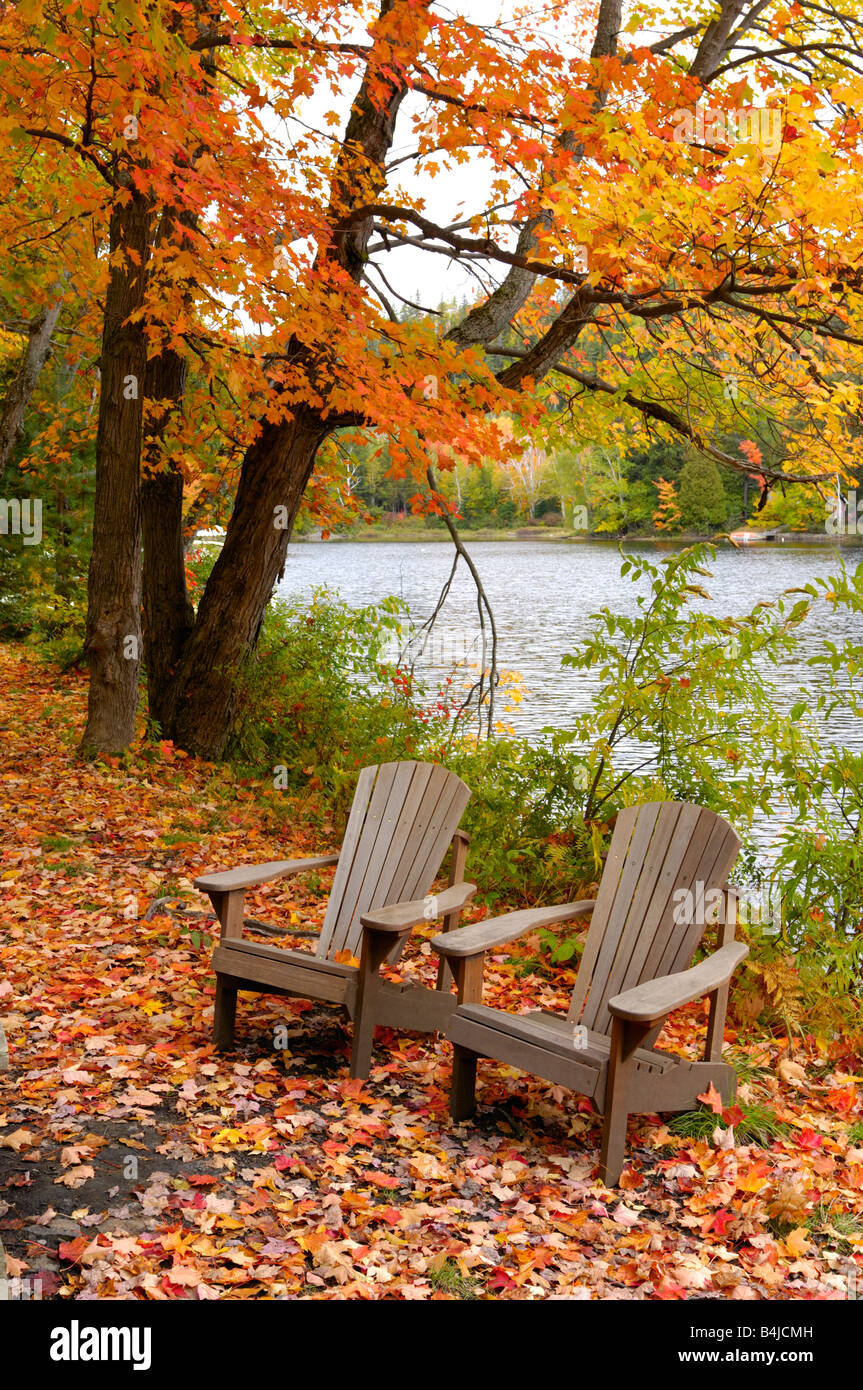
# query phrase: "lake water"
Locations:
[[543, 594]]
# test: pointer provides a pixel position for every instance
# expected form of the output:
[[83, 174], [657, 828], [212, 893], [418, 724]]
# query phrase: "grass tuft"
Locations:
[[448, 1278], [758, 1126]]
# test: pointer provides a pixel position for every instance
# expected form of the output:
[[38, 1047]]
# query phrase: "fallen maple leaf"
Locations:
[[423, 1165], [791, 1072], [797, 1242], [19, 1139], [712, 1098], [72, 1076], [842, 1098], [723, 1138], [145, 1098], [379, 1179], [719, 1222], [81, 1250], [76, 1177], [71, 1156], [623, 1216], [808, 1139], [391, 1215]]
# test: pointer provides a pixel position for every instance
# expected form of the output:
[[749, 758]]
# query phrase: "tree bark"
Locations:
[[168, 613], [275, 472], [114, 583], [24, 382], [716, 38]]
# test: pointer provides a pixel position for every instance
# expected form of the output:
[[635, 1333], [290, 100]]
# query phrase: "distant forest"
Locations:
[[618, 486]]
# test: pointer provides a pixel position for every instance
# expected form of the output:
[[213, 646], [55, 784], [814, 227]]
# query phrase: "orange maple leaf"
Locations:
[[712, 1098]]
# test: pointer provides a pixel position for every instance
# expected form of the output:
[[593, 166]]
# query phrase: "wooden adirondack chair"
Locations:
[[403, 818], [642, 937]]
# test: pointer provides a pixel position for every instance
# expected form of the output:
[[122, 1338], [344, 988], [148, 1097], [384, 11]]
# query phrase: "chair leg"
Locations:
[[613, 1145], [625, 1038], [361, 1044], [462, 1096], [375, 948], [224, 1015]]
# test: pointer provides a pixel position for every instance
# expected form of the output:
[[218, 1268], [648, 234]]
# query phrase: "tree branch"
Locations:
[[655, 410]]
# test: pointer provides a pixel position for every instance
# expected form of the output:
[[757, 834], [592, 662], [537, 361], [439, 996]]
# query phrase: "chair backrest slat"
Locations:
[[353, 831], [446, 799], [411, 790], [712, 870], [659, 870], [405, 798], [622, 912], [605, 898], [657, 850], [402, 819], [681, 860], [364, 821]]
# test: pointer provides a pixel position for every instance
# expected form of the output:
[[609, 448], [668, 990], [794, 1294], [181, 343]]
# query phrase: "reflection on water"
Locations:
[[543, 594]]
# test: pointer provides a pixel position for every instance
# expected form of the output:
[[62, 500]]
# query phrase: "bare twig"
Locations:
[[481, 689]]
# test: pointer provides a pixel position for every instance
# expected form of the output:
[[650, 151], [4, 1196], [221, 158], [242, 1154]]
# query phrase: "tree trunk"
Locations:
[[63, 579], [277, 467], [168, 613], [275, 472], [114, 582], [23, 384]]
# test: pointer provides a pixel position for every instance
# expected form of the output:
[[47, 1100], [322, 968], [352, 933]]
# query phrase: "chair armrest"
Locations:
[[651, 1001], [251, 875], [401, 917], [479, 937]]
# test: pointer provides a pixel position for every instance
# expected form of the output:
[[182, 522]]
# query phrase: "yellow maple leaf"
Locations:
[[796, 1243]]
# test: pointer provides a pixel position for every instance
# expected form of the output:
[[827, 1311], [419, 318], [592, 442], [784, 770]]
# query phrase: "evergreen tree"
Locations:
[[701, 495]]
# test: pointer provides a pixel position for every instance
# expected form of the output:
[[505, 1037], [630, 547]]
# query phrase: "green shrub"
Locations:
[[818, 874], [322, 695], [529, 840], [683, 709]]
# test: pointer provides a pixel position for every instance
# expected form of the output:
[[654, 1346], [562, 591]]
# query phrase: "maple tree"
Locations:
[[248, 241], [667, 515], [100, 118]]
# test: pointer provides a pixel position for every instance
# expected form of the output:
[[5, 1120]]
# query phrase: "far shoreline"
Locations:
[[560, 536]]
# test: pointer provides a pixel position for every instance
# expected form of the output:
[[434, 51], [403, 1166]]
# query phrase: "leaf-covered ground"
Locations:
[[137, 1163]]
